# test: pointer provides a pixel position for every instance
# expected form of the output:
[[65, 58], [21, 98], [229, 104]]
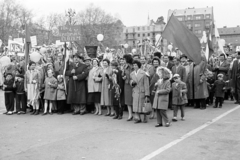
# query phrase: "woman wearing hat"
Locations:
[[95, 86]]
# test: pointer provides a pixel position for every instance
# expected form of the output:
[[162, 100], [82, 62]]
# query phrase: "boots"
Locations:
[[37, 112], [34, 110]]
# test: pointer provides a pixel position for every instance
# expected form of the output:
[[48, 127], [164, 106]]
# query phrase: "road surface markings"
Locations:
[[171, 144]]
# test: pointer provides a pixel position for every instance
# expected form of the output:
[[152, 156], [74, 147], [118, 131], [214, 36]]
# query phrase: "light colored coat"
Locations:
[[61, 94], [106, 90], [178, 99], [161, 98], [140, 91], [95, 80]]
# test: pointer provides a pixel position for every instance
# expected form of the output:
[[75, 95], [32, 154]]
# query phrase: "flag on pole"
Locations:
[[183, 39], [207, 52], [27, 44]]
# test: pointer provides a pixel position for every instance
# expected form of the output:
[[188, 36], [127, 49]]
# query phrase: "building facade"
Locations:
[[196, 19], [138, 34], [230, 35]]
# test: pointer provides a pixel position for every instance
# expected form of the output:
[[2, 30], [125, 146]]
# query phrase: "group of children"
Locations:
[[24, 91]]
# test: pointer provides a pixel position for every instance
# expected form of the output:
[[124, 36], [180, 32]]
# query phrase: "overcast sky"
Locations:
[[135, 12]]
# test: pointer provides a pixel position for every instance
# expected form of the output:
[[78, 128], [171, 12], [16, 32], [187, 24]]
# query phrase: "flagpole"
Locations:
[[27, 43]]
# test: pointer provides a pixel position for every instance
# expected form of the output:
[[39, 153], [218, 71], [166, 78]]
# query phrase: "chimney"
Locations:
[[237, 25], [224, 26]]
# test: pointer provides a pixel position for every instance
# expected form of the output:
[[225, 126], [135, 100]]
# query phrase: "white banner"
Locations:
[[33, 40]]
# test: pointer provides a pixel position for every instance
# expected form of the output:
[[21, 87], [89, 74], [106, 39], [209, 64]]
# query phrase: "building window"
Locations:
[[189, 17], [138, 35], [189, 26], [198, 31], [138, 28], [198, 17], [148, 34], [153, 34], [143, 28], [143, 35], [148, 28], [197, 25], [180, 18], [133, 42], [207, 16], [133, 35]]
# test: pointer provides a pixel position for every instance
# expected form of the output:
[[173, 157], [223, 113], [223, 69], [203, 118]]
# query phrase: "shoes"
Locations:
[[182, 119], [37, 112], [96, 113], [120, 117], [75, 113], [99, 114], [115, 117], [129, 119], [215, 107], [152, 117], [158, 125], [60, 113], [220, 106], [108, 114], [202, 108], [168, 124], [9, 113], [144, 121], [236, 103], [138, 121], [82, 113], [5, 112], [111, 115], [33, 112], [15, 112], [174, 120], [50, 113], [44, 114]]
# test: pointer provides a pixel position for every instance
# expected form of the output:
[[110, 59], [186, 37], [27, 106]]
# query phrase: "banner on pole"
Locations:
[[33, 40], [70, 33]]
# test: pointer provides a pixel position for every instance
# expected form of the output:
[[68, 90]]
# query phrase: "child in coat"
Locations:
[[179, 96], [20, 94], [219, 87], [9, 93], [50, 91], [210, 83], [61, 95]]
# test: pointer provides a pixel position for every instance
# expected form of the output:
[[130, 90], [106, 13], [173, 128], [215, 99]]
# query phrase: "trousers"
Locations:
[[219, 100], [21, 101], [79, 108], [118, 110], [60, 105], [175, 110], [162, 115], [9, 101]]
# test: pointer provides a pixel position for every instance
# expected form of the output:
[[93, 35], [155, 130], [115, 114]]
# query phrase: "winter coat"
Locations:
[[61, 93], [95, 80], [161, 98], [219, 88], [106, 88], [178, 99], [76, 92], [140, 90]]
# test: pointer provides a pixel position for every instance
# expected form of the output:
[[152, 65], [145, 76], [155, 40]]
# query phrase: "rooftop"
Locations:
[[190, 11], [231, 30]]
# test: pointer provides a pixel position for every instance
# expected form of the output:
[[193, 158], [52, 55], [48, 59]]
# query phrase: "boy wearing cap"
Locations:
[[179, 96], [20, 94], [219, 87]]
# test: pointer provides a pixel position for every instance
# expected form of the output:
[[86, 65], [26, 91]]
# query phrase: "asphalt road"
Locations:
[[90, 137]]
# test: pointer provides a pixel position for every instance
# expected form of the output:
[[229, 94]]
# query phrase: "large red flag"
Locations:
[[183, 39]]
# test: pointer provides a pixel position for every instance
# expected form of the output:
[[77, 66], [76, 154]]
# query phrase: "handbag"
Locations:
[[147, 109]]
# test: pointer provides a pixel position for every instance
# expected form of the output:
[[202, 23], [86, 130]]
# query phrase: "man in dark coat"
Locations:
[[77, 73], [222, 66], [235, 77]]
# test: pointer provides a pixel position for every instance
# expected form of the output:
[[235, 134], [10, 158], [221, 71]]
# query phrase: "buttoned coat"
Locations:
[[177, 98], [161, 98], [153, 80], [140, 91], [127, 88], [77, 88], [223, 69], [95, 80], [106, 99]]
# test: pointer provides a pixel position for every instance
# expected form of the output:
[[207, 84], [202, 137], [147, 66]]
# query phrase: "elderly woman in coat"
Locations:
[[140, 83], [95, 86], [161, 99]]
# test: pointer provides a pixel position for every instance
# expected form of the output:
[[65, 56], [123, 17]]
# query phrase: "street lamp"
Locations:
[[70, 13]]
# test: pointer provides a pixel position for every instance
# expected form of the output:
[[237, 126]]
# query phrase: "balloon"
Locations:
[[100, 37], [5, 61], [126, 45], [134, 50], [43, 50], [221, 42], [170, 47], [35, 57]]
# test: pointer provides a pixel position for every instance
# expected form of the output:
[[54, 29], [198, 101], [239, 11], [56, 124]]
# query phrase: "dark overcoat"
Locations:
[[77, 88], [116, 101], [219, 88]]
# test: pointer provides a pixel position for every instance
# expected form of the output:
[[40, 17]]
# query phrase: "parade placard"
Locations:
[[91, 51], [70, 33], [33, 40]]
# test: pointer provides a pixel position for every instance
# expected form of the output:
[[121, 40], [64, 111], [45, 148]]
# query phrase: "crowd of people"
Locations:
[[112, 85]]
